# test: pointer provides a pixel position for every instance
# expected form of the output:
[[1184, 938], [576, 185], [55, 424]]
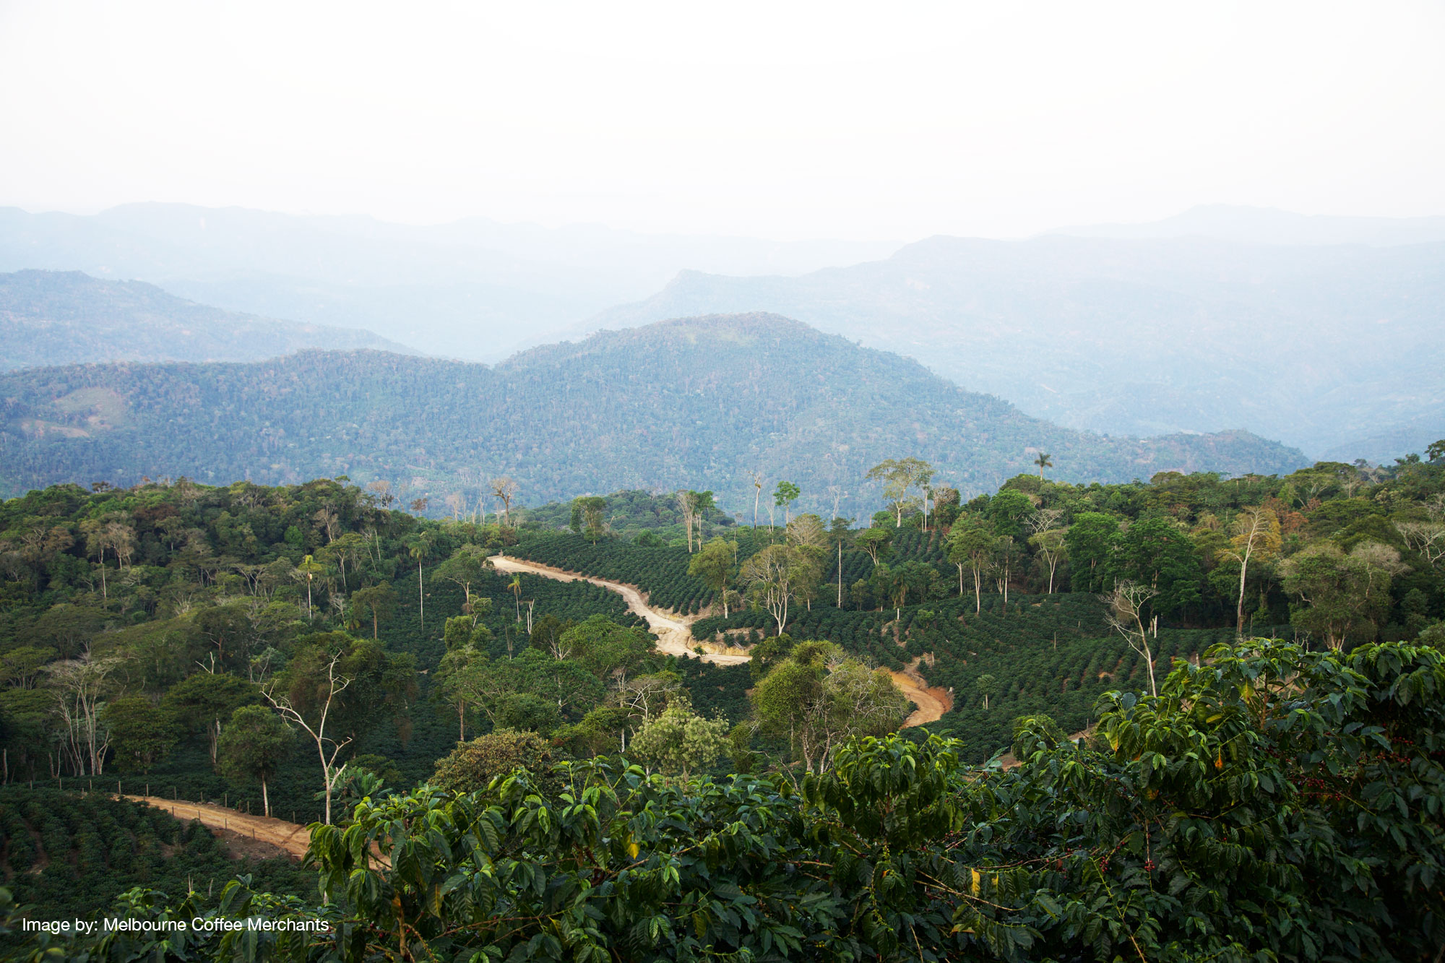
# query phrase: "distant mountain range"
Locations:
[[699, 403], [58, 318], [1329, 348], [1262, 225], [473, 289], [1324, 332]]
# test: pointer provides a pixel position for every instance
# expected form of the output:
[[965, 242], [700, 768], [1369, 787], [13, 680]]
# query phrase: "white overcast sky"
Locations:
[[878, 121]]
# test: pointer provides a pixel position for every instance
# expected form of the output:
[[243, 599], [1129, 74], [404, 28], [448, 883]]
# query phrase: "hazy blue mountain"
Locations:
[[472, 289], [1314, 345], [698, 403], [1265, 225], [59, 318]]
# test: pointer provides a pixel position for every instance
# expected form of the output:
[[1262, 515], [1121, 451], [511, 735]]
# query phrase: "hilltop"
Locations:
[[67, 317], [1324, 347], [693, 403]]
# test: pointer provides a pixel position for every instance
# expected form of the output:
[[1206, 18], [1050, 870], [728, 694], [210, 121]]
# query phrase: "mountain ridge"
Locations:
[[1313, 345], [58, 318], [696, 403]]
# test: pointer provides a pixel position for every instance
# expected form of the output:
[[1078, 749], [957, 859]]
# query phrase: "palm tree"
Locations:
[[1043, 461], [515, 587], [419, 547]]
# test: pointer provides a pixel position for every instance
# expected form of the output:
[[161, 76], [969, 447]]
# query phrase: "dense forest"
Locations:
[[702, 403], [315, 651], [61, 318]]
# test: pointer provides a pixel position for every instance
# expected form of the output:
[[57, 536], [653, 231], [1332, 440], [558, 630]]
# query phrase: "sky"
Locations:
[[788, 121]]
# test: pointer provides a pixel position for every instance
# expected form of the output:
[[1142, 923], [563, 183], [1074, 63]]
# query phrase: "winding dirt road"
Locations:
[[674, 637], [291, 837]]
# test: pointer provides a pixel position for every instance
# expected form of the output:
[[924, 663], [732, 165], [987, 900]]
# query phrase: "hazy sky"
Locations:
[[769, 119]]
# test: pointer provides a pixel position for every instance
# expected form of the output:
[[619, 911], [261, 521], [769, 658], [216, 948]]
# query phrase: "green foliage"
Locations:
[[1271, 803], [140, 733], [472, 766], [678, 740], [253, 746]]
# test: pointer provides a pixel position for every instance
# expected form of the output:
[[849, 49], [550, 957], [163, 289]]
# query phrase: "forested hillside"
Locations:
[[1326, 348], [700, 403], [312, 650], [55, 318]]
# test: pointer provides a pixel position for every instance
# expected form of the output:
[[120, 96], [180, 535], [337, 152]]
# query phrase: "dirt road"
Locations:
[[292, 838], [674, 632], [674, 637]]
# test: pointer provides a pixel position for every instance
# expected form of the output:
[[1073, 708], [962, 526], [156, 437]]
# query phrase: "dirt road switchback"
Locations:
[[674, 637]]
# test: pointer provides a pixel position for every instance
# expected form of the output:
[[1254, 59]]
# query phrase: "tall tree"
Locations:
[[255, 743], [378, 601], [784, 495], [679, 740], [206, 701], [589, 514], [466, 566], [972, 546], [900, 476], [505, 489], [1128, 604], [770, 577], [1048, 539], [1256, 538], [715, 564], [1043, 461], [419, 547], [818, 698], [323, 692]]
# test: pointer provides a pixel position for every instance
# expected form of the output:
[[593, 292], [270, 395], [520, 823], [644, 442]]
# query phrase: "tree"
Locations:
[[505, 489], [771, 578], [818, 698], [1048, 539], [607, 649], [80, 687], [207, 700], [679, 740], [972, 546], [473, 765], [840, 536], [757, 479], [784, 495], [588, 515], [1155, 552], [1090, 543], [987, 685], [454, 672], [467, 565], [1008, 512], [1043, 461], [307, 572], [379, 601], [140, 734], [324, 696], [1257, 538], [1127, 604], [900, 476], [255, 743], [419, 547], [875, 541], [1425, 538], [716, 565]]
